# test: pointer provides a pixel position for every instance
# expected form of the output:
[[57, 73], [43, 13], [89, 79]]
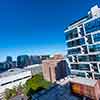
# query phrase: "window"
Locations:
[[74, 66], [83, 58], [89, 58], [92, 58], [94, 48], [76, 42], [96, 37], [82, 74], [84, 67], [80, 66], [97, 76], [74, 51], [81, 31], [89, 39], [81, 41], [92, 26], [72, 34], [85, 49], [70, 59], [98, 57]]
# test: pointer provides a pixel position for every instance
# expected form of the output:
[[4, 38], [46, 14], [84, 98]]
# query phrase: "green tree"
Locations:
[[9, 93]]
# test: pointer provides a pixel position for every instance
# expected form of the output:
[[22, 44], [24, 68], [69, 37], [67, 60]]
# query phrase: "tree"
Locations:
[[9, 93]]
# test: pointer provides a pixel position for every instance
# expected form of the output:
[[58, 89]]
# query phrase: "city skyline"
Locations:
[[36, 27]]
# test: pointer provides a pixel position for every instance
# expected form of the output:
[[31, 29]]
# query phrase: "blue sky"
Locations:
[[36, 26]]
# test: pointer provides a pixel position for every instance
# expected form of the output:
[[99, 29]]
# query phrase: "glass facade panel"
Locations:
[[89, 39], [76, 42], [81, 74], [81, 31], [96, 37], [88, 58], [92, 58], [83, 58], [94, 48], [70, 59], [98, 57], [97, 76], [74, 51], [85, 49], [80, 66], [74, 66], [72, 34], [92, 26]]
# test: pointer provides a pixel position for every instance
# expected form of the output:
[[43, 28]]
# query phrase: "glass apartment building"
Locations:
[[83, 45]]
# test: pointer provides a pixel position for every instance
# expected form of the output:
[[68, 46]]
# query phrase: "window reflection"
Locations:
[[92, 26], [72, 34], [94, 48], [76, 42], [96, 37]]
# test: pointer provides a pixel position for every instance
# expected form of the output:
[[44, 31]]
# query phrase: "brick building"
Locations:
[[54, 68]]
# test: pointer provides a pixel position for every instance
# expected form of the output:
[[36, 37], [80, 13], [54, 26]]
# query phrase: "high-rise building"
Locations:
[[14, 64], [35, 60], [83, 45], [44, 57], [8, 62], [2, 67], [22, 61], [8, 59]]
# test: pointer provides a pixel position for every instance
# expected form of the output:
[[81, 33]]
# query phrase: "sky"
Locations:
[[36, 27]]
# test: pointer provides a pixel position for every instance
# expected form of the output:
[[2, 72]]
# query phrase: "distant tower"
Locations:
[[23, 61], [8, 59], [8, 62]]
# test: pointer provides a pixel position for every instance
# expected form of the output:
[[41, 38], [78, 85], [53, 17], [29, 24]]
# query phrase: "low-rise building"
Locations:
[[54, 68], [85, 87]]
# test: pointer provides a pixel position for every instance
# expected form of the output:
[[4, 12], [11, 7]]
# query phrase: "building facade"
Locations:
[[83, 45], [22, 61], [54, 68]]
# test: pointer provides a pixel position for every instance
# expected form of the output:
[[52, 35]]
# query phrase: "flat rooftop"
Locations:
[[16, 71], [13, 71], [84, 81], [79, 80]]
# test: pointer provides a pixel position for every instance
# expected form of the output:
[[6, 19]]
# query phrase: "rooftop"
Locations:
[[78, 20], [13, 71], [84, 81]]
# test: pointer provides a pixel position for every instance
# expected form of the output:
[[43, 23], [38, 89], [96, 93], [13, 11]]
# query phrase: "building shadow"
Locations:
[[62, 70]]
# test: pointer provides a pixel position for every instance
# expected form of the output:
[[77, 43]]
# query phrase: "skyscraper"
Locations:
[[83, 45], [35, 60], [22, 61], [8, 62], [8, 59]]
